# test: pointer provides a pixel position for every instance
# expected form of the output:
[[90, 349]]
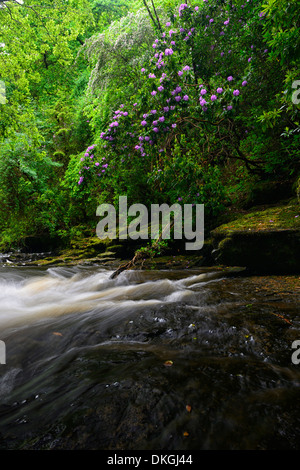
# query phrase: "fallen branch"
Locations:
[[137, 257], [141, 254]]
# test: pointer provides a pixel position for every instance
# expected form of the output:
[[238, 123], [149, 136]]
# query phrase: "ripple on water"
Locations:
[[95, 363]]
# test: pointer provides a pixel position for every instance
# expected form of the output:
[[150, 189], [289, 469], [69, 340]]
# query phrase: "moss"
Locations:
[[281, 217]]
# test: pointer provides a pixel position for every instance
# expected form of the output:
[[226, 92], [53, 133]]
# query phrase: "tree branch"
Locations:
[[158, 22], [150, 14]]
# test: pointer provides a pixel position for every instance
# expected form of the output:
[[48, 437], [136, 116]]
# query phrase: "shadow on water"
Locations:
[[150, 360]]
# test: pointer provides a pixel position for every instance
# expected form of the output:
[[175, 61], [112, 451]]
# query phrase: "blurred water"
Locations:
[[88, 361]]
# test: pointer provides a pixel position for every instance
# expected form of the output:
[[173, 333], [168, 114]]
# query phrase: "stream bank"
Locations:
[[264, 240]]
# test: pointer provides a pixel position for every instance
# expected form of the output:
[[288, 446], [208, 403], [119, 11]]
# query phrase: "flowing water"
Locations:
[[164, 360]]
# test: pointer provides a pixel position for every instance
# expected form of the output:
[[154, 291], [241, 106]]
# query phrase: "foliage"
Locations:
[[199, 86], [159, 101]]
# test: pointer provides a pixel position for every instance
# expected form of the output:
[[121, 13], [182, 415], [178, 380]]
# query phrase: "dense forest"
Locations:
[[160, 101]]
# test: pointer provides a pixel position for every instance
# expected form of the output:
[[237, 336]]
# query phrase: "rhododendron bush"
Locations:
[[199, 94]]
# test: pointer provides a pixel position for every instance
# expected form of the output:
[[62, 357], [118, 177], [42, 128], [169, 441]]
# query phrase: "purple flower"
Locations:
[[151, 75], [244, 83], [169, 51], [250, 58], [213, 97], [203, 91], [177, 98], [156, 129], [144, 123], [211, 20], [229, 108], [154, 46], [168, 23], [182, 7], [80, 179], [154, 123], [226, 22], [153, 111], [230, 78], [186, 98], [174, 125], [161, 119], [153, 93], [166, 109], [180, 73], [147, 138], [160, 88], [236, 92], [143, 70], [186, 68], [97, 164], [219, 90]]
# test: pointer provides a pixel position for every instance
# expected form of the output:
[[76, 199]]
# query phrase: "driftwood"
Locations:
[[139, 255]]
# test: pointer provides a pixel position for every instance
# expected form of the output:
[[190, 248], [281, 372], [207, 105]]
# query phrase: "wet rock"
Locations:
[[261, 252]]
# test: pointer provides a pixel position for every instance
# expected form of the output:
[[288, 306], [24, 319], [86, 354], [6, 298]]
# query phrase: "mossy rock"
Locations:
[[266, 252], [266, 241]]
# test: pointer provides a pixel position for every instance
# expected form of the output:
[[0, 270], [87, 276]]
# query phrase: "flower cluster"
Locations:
[[172, 92]]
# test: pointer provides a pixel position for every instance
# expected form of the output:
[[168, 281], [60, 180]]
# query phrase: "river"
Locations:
[[152, 360]]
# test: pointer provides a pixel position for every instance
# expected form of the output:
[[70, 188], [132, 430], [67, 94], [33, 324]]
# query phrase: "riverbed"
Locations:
[[192, 359]]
